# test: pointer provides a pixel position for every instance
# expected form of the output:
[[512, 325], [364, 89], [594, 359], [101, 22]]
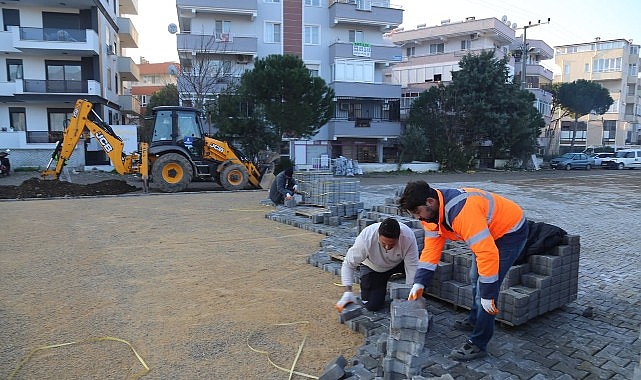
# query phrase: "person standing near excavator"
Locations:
[[493, 227]]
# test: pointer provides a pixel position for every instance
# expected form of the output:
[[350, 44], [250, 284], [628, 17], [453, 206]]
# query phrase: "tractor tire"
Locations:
[[234, 177], [172, 173]]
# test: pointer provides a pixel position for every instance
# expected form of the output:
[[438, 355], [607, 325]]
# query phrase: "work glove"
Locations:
[[346, 299], [295, 188], [288, 196], [489, 306], [416, 292]]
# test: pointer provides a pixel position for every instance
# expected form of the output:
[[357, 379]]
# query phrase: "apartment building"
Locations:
[[338, 40], [614, 64], [53, 54], [153, 77], [432, 53]]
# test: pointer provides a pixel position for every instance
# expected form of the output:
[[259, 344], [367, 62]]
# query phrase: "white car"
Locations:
[[600, 157], [624, 159]]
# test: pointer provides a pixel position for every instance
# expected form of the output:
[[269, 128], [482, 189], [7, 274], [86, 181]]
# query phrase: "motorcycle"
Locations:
[[5, 165]]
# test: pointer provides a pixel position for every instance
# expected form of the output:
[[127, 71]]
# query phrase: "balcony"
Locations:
[[189, 8], [40, 41], [371, 129], [365, 12], [366, 90], [223, 43], [129, 104], [127, 33], [128, 70], [489, 29], [128, 7], [612, 75], [373, 52], [42, 86]]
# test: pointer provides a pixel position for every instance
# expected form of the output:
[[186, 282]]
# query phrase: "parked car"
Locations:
[[569, 161], [624, 159], [600, 157]]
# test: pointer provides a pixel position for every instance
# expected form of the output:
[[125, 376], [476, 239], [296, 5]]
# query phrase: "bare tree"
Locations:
[[207, 67]]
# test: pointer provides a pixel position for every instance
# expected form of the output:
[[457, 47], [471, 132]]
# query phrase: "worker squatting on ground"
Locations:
[[284, 187], [380, 250], [493, 227]]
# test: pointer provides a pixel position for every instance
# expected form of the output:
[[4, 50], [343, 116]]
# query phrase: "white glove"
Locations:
[[346, 299], [288, 196], [295, 188], [489, 306], [416, 292]]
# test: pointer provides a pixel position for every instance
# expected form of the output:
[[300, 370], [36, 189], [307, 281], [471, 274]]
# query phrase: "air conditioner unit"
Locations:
[[243, 58], [475, 36]]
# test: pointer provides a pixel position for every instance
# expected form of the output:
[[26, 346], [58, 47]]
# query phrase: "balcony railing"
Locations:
[[44, 137], [55, 86], [53, 34]]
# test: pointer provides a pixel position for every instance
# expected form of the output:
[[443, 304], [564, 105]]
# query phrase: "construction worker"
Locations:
[[284, 186], [495, 230], [379, 251]]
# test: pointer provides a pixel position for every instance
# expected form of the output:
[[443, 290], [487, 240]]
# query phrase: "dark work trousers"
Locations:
[[374, 285]]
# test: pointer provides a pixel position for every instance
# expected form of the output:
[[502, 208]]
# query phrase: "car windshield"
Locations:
[[620, 154]]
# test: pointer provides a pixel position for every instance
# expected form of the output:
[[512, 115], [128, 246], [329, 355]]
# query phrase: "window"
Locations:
[[272, 1], [17, 119], [14, 69], [411, 51], [272, 32], [10, 17], [436, 48], [586, 68], [466, 45], [566, 69], [108, 78], [606, 65], [632, 70], [58, 120], [64, 77], [356, 36], [311, 35], [222, 26], [609, 131], [354, 71], [312, 3]]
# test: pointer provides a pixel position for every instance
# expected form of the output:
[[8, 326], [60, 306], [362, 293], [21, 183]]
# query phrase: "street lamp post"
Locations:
[[525, 51]]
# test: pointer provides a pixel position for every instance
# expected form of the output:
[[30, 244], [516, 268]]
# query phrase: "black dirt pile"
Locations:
[[39, 188]]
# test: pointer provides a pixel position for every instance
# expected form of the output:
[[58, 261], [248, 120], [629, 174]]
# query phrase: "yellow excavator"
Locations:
[[177, 154]]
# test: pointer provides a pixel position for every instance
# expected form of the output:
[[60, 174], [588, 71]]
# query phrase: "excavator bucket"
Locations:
[[268, 176]]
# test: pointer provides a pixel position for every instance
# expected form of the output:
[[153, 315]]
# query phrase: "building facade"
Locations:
[[338, 40], [614, 64], [153, 77], [53, 54]]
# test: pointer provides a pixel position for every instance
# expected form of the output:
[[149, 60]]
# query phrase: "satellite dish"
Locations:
[[172, 28], [172, 70], [504, 18]]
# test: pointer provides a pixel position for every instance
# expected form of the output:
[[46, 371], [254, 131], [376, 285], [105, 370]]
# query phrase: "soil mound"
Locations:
[[39, 188]]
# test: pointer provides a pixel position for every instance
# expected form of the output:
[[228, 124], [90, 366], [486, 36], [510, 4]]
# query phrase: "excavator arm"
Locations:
[[110, 142]]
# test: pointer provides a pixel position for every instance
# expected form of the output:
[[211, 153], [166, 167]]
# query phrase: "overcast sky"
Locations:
[[572, 21]]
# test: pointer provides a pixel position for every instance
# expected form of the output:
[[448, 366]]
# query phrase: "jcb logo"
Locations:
[[218, 148], [104, 142]]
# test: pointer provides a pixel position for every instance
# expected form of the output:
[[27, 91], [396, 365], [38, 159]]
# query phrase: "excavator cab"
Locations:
[[178, 126]]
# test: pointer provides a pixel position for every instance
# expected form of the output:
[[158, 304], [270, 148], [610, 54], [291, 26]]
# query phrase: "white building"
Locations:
[[55, 53]]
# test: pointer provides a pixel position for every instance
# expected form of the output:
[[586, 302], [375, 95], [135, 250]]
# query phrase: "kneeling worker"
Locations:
[[380, 250]]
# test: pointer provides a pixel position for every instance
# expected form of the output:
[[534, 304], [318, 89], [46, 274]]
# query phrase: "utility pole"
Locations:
[[525, 51]]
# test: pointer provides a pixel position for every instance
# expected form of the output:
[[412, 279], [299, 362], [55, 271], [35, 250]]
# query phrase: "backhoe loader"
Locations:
[[177, 154]]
